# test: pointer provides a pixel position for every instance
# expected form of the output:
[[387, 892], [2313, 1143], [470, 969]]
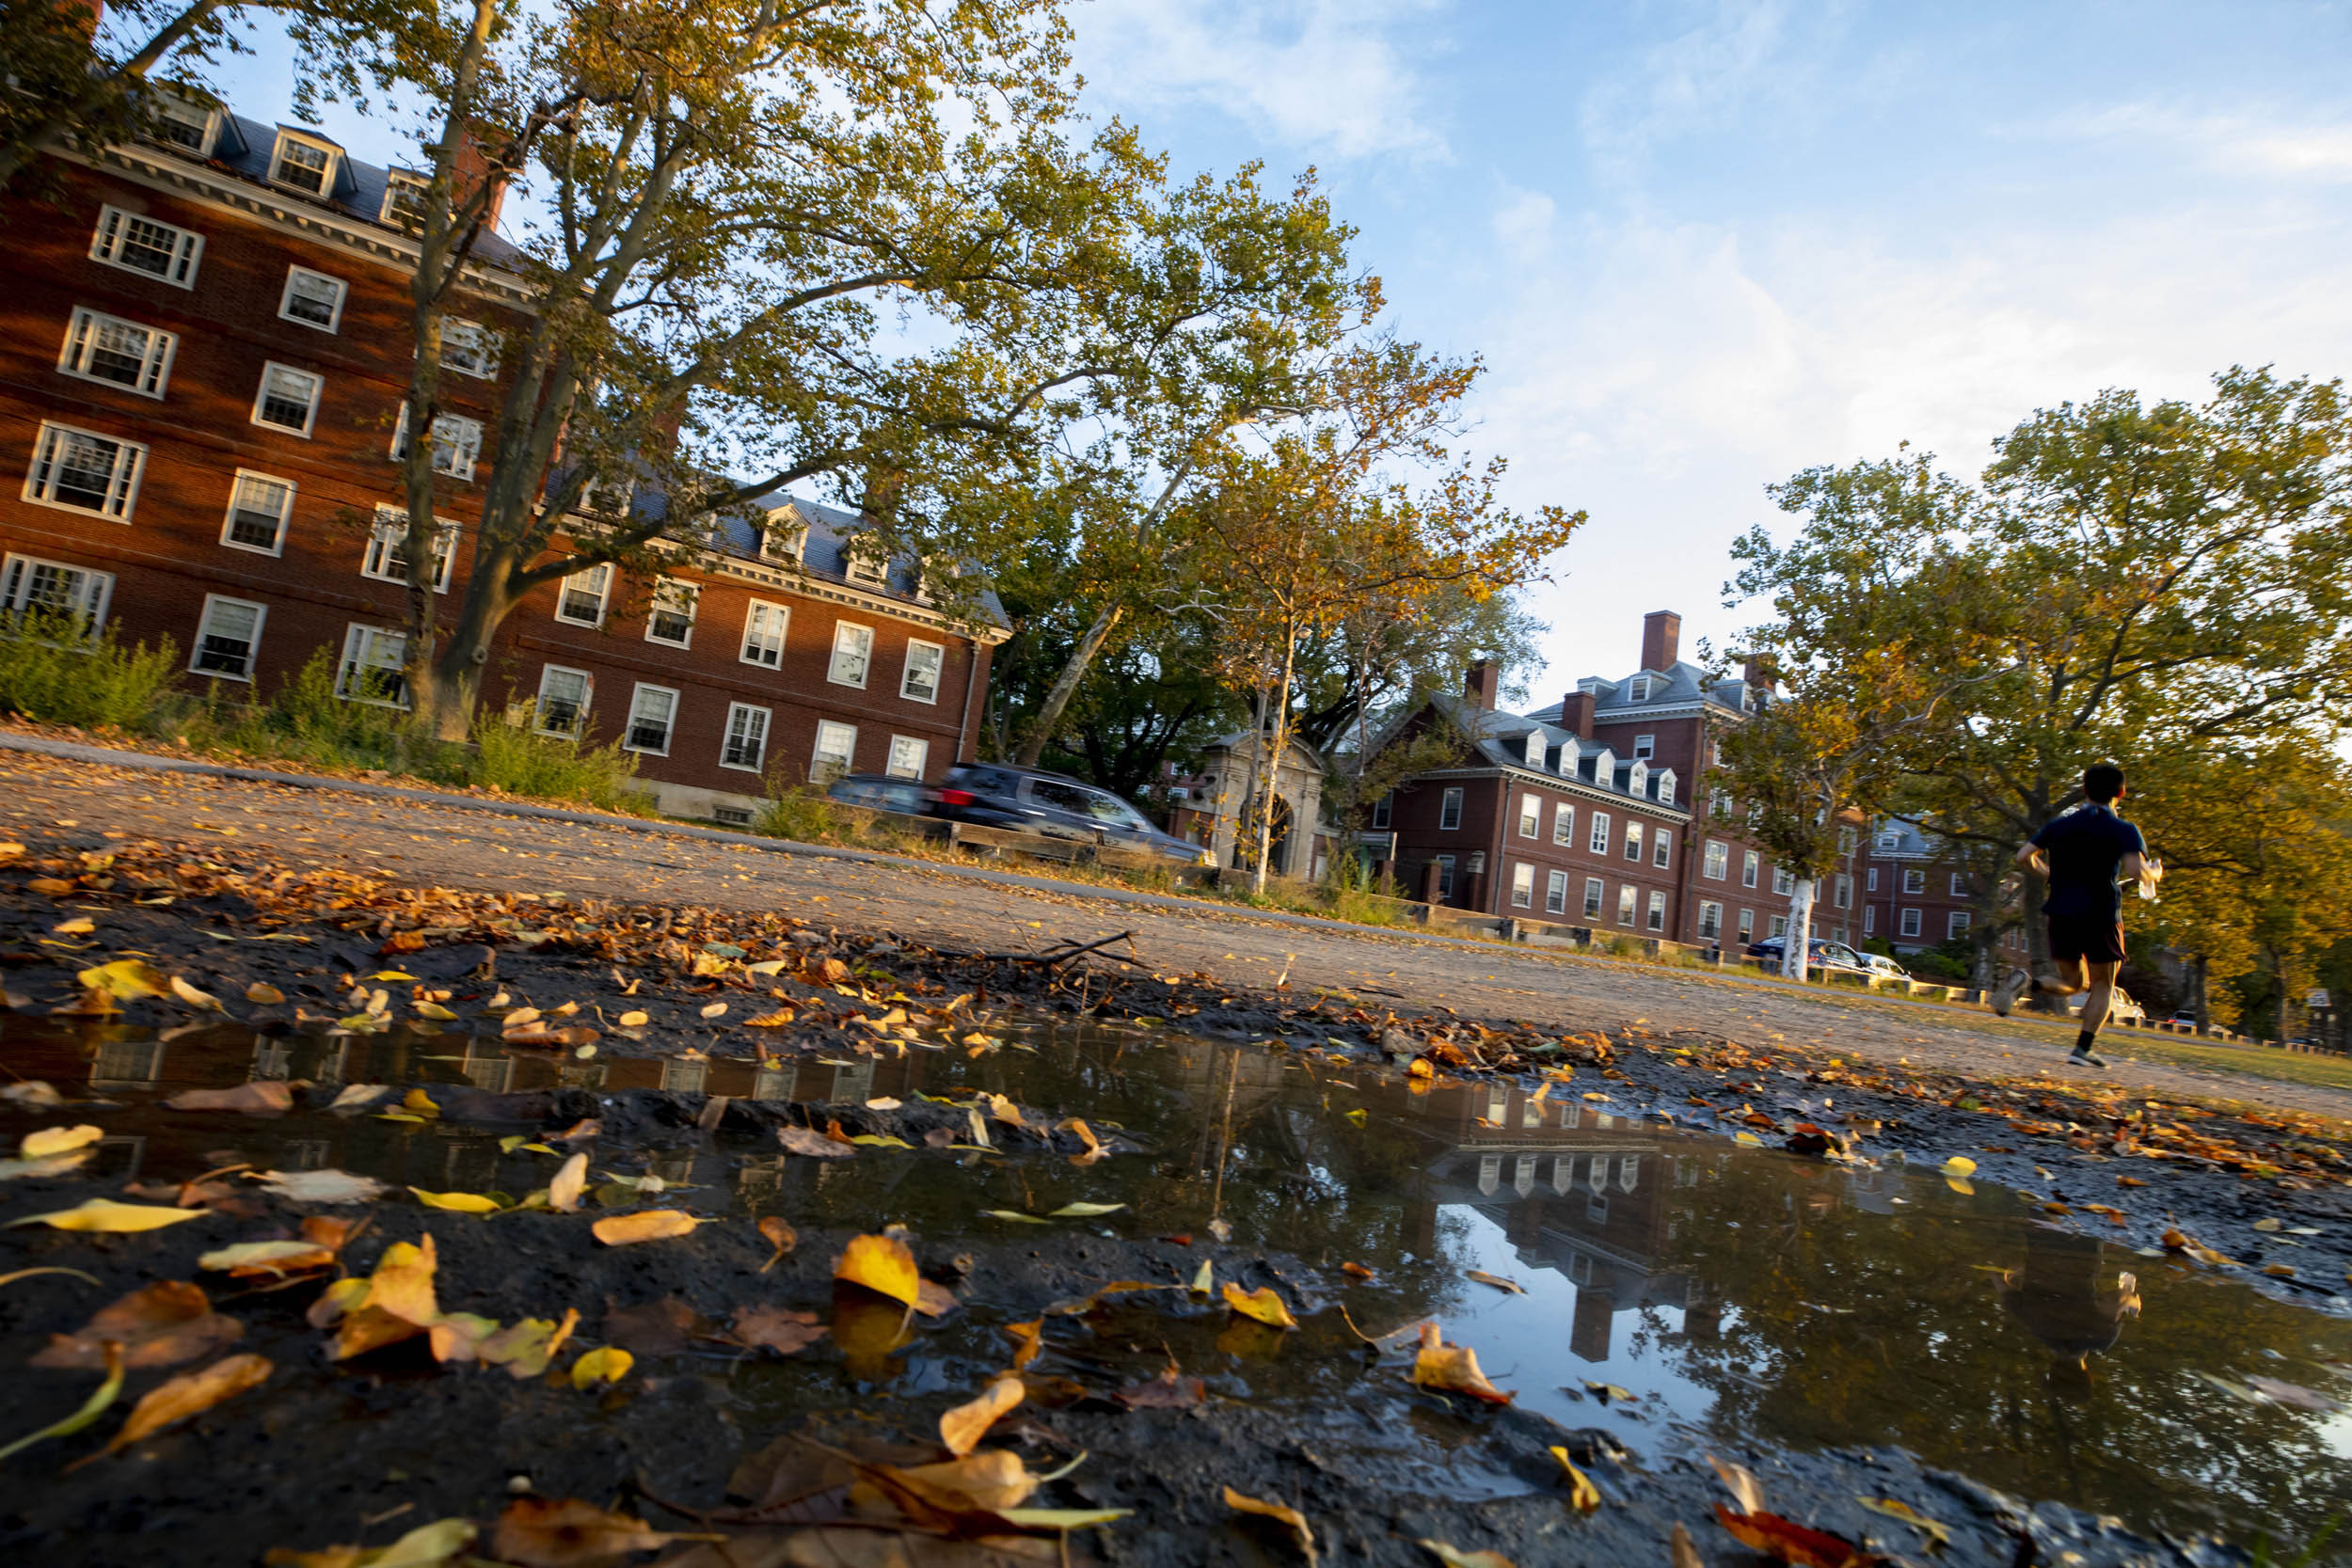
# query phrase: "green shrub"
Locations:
[[799, 810], [55, 671], [304, 721], [511, 756]]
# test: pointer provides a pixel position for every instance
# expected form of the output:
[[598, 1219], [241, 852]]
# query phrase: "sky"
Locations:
[[1703, 244]]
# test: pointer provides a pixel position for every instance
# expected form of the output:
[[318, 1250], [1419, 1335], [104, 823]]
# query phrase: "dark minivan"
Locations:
[[1050, 805]]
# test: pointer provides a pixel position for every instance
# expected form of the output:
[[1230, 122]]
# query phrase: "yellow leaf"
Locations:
[[649, 1225], [962, 1427], [435, 1545], [56, 1140], [1060, 1518], [565, 1185], [1581, 1492], [552, 1532], [1894, 1510], [636, 1019], [80, 927], [714, 1010], [881, 1264], [463, 1203], [191, 1395], [525, 1348], [776, 1020], [1959, 1164], [434, 1010], [104, 1214], [519, 1017], [1206, 1279], [1452, 1368], [1510, 1287], [92, 1408], [1358, 1117], [1261, 1305], [273, 1258], [1029, 1337], [1301, 1531], [264, 994], [607, 1364], [202, 1000], [126, 979], [1747, 1140]]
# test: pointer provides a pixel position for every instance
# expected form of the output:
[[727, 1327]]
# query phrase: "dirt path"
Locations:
[[486, 846]]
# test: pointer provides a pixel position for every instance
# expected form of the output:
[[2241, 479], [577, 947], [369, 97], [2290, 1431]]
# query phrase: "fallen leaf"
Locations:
[[1028, 1338], [1356, 1271], [1938, 1534], [1453, 1557], [565, 1185], [635, 1019], [101, 1213], [191, 1394], [1789, 1541], [438, 1545], [1013, 1214], [125, 980], [394, 1303], [1084, 1210], [1453, 1369], [1741, 1482], [775, 1020], [58, 1140], [322, 1187], [776, 1328], [1511, 1286], [1605, 1392], [803, 1140], [526, 1347], [1680, 1552], [605, 1364], [203, 1001], [247, 1260], [265, 1097], [462, 1203], [962, 1428], [587, 1127], [92, 1409], [934, 1300], [1301, 1532], [880, 1264], [2295, 1394], [158, 1325], [1581, 1492], [265, 994], [714, 1010], [2269, 1224], [549, 1532], [434, 1011], [1261, 1305], [1959, 1164], [647, 1224], [993, 1480], [780, 1235]]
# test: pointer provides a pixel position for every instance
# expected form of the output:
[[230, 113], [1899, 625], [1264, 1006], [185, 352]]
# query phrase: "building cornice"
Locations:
[[800, 582], [1553, 780]]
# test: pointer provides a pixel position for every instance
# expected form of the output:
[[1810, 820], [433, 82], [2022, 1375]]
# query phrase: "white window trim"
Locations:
[[310, 415], [1531, 815], [1910, 873], [587, 700], [602, 571], [395, 182], [890, 758], [1633, 840], [444, 548], [1870, 919], [1564, 825], [767, 724], [1908, 921], [1645, 747], [833, 660], [1450, 811], [100, 602], [355, 635], [473, 449], [137, 450], [1662, 847], [938, 675], [1749, 864], [677, 587], [1628, 905], [1955, 923], [1595, 897], [285, 300], [784, 630], [1556, 893], [228, 514], [1715, 865], [1710, 919], [816, 753], [1656, 919], [188, 250], [84, 321], [253, 652], [1596, 839], [668, 733], [328, 177], [483, 340], [1523, 884], [208, 139]]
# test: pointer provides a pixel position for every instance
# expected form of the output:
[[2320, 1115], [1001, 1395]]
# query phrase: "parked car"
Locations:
[[881, 792], [1880, 964], [1830, 958], [1050, 805], [2184, 1016]]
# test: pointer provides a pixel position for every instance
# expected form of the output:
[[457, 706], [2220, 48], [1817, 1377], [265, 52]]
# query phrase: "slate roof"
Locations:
[[1684, 684], [825, 551], [1501, 740]]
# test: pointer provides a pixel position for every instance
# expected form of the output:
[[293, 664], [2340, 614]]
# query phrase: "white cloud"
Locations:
[[2242, 143], [1320, 75]]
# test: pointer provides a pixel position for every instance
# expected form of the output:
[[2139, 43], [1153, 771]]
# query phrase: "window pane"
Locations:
[[225, 642], [256, 510], [649, 715], [907, 757], [747, 737], [851, 647], [286, 398], [923, 666]]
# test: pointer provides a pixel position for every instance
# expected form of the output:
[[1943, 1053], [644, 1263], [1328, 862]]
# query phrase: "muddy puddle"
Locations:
[[1678, 1292]]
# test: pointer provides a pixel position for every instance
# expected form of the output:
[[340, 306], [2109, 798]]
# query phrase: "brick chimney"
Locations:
[[1576, 714], [470, 170], [1757, 672], [1480, 682], [1661, 639]]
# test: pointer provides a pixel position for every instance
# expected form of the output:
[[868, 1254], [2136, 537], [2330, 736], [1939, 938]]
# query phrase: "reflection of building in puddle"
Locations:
[[127, 1063], [305, 1153], [273, 1060], [487, 1066], [1873, 1190], [674, 1166], [775, 1082], [685, 1077], [760, 1176], [333, 1058], [580, 1075]]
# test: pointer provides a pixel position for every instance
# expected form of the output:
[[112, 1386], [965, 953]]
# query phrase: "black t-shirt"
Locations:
[[2086, 847]]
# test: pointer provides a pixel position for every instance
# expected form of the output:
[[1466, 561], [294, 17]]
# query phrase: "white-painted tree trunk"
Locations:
[[1798, 946]]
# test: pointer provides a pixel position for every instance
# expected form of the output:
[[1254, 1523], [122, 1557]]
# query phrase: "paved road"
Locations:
[[455, 842]]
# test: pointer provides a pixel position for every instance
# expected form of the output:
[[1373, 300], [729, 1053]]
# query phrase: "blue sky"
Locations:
[[1703, 244]]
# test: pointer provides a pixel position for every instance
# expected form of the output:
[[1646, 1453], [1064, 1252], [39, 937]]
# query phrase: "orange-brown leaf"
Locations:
[[159, 1325], [962, 1429], [1785, 1541], [647, 1224], [191, 1394], [550, 1532]]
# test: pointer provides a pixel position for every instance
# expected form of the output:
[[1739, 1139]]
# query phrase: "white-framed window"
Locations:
[[1533, 752], [1915, 879], [260, 507], [1564, 825], [853, 653], [469, 348], [1711, 920], [1530, 816], [835, 752], [1718, 863], [136, 244], [926, 661], [1747, 926], [1645, 746], [1665, 786], [1384, 810], [1955, 923], [54, 588], [1841, 892], [1637, 690], [1784, 880], [783, 535], [1445, 876], [312, 298], [82, 471], [386, 555], [1556, 893], [456, 442], [1637, 779], [1597, 841], [403, 199], [1629, 903], [652, 719], [1890, 840], [908, 757], [1450, 811], [190, 127], [304, 163], [1909, 922], [122, 353], [1870, 919], [580, 599], [1780, 925], [1632, 841], [672, 617], [1522, 886], [1595, 891], [1959, 884], [1662, 847], [865, 565], [1748, 864], [228, 636], [564, 696], [764, 625], [373, 664], [287, 399], [1657, 911], [747, 737], [1870, 879]]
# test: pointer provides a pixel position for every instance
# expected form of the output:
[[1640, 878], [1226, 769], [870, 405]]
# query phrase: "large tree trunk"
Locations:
[[446, 708], [1065, 685], [1275, 740], [1798, 946]]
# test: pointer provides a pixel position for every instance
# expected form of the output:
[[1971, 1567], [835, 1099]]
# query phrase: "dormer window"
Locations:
[[1605, 768], [1890, 842], [404, 200], [865, 567], [1534, 752], [304, 163], [190, 127], [1637, 779], [1667, 786], [784, 536], [1637, 689]]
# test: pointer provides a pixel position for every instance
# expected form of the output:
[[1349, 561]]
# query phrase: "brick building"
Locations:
[[203, 359]]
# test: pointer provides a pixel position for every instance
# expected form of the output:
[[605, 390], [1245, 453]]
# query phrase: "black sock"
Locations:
[[2082, 1042]]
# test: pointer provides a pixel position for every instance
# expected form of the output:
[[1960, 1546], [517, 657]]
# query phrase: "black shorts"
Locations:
[[2098, 939]]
